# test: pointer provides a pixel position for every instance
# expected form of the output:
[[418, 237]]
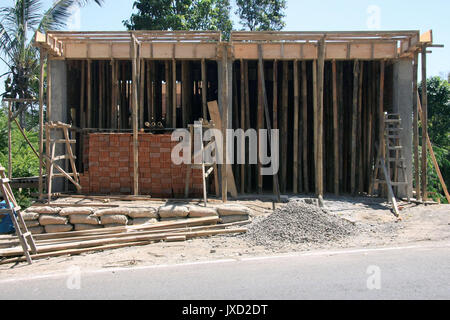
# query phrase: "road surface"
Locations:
[[409, 272]]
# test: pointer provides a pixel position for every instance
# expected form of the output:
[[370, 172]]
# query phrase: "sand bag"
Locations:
[[148, 212], [44, 210], [54, 228], [36, 230], [30, 216], [83, 219], [83, 227], [32, 223], [200, 212], [114, 219], [112, 211], [173, 211], [232, 210], [46, 219], [76, 211], [141, 221], [234, 218]]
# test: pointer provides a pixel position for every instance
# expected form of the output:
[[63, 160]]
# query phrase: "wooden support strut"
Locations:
[[424, 123]]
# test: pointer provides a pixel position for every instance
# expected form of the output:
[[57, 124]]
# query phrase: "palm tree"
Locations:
[[17, 52]]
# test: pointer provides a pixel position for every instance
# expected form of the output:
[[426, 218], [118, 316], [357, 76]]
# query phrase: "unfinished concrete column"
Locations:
[[403, 105]]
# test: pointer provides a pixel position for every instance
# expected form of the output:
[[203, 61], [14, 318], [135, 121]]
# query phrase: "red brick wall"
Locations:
[[109, 167]]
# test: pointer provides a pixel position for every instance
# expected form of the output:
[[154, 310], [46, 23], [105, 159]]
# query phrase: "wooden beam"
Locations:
[[9, 141], [295, 133], [320, 148], [204, 90], [260, 119], [315, 111], [135, 86], [354, 126], [275, 107], [242, 122], [360, 128], [284, 121], [89, 94], [42, 58], [305, 126], [225, 91]]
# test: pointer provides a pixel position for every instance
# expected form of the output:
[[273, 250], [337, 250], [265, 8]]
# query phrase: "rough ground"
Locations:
[[361, 222]]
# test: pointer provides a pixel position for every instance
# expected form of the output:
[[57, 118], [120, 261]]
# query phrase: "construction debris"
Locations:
[[298, 222]]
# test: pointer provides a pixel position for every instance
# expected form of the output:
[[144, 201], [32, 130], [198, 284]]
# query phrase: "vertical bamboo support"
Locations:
[[141, 92], [100, 94], [315, 112], [354, 126], [284, 121], [305, 126], [114, 90], [174, 93], [320, 149], [184, 93], [416, 127], [335, 130], [41, 121], [295, 138], [9, 140], [424, 123], [247, 120], [204, 90], [225, 97], [168, 95], [89, 94], [275, 106], [242, 123], [260, 118], [360, 128], [135, 83]]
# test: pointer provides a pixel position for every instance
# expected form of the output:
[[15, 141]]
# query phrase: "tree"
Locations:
[[181, 15], [26, 17], [261, 15]]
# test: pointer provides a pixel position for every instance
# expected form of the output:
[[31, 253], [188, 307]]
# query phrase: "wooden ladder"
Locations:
[[392, 160], [73, 177], [13, 209], [198, 127]]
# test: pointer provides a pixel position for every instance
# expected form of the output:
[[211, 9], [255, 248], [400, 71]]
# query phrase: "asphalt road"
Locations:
[[411, 272]]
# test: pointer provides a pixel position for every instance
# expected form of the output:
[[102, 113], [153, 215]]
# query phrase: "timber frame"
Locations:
[[309, 54]]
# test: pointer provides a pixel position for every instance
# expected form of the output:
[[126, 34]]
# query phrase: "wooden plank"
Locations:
[[42, 57], [284, 127], [242, 189], [360, 128], [135, 83], [141, 92], [295, 133], [260, 119], [424, 123], [174, 93], [315, 110], [335, 129], [305, 126], [204, 89], [275, 107], [89, 94], [214, 112], [9, 141], [354, 126], [247, 121]]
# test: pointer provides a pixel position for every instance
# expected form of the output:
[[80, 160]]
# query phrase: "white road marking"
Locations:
[[261, 258]]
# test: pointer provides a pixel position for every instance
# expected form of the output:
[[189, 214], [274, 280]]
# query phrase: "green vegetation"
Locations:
[[261, 15]]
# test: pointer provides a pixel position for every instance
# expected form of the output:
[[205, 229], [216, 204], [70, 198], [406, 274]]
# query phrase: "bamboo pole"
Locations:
[[360, 128], [204, 90], [416, 126], [247, 122], [424, 123], [284, 121], [335, 130], [135, 83], [295, 133], [167, 97], [41, 121], [320, 147], [305, 126], [174, 93], [260, 119], [9, 140], [315, 111], [242, 123], [225, 91], [354, 126], [275, 107]]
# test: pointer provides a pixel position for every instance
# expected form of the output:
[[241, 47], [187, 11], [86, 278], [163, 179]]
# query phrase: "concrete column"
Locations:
[[403, 105], [59, 113]]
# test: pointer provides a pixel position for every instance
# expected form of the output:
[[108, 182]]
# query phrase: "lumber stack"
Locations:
[[77, 242]]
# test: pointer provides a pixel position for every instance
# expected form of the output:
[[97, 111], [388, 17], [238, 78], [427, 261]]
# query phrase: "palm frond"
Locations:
[[56, 17], [5, 42]]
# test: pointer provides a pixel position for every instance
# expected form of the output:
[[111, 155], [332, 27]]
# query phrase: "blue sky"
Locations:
[[319, 15]]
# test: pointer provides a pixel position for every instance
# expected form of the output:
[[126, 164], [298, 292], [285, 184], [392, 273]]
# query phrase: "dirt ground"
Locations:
[[379, 227]]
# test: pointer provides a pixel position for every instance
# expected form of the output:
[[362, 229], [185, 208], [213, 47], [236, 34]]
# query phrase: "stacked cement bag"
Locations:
[[230, 213], [173, 212], [81, 217], [51, 220], [141, 216], [202, 212], [32, 222], [113, 217]]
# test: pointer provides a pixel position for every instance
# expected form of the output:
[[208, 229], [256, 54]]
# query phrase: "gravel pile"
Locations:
[[296, 223]]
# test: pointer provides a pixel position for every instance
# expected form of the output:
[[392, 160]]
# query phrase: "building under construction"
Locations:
[[114, 98]]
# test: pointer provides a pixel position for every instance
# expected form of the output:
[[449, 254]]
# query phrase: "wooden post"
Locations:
[[260, 118], [305, 126], [284, 121], [416, 127], [141, 92], [89, 95], [168, 77], [225, 91], [295, 138], [360, 128], [275, 108], [242, 123], [41, 122], [135, 79], [9, 140], [247, 121], [354, 126], [320, 72], [315, 111], [335, 130], [424, 123], [204, 90], [174, 93]]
